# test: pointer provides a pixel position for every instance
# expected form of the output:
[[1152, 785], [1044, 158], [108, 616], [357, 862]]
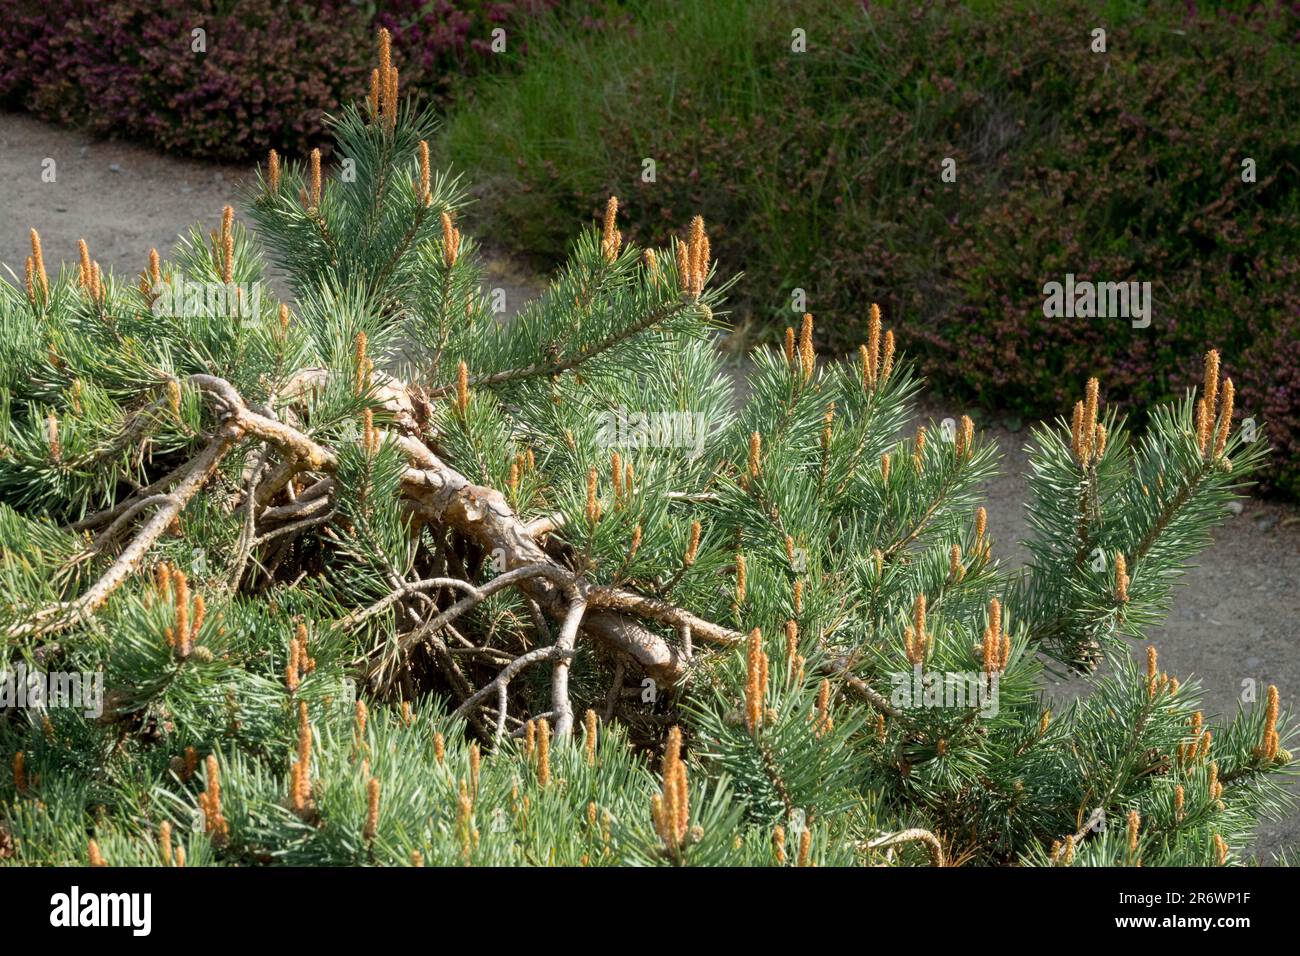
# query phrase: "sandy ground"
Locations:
[[1235, 620]]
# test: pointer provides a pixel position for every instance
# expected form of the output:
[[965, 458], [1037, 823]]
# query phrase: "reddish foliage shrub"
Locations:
[[270, 71]]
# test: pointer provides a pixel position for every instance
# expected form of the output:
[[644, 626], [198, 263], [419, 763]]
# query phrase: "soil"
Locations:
[[1234, 621]]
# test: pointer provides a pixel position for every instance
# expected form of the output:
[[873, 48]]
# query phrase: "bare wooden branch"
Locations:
[[503, 678], [908, 836], [564, 645], [443, 496], [62, 616], [663, 612], [122, 519]]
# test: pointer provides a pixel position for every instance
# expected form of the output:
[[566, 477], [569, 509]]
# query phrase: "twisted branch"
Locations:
[[61, 616], [908, 836]]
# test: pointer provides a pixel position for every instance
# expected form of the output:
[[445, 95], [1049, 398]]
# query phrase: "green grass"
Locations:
[[553, 115]]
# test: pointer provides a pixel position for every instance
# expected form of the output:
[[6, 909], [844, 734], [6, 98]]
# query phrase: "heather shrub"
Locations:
[[822, 172], [269, 72]]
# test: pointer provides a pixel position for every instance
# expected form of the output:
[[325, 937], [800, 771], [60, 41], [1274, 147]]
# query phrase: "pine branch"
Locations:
[[444, 496], [51, 620], [547, 369], [913, 834]]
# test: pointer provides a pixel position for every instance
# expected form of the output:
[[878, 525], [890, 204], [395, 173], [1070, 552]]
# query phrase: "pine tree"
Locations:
[[380, 577]]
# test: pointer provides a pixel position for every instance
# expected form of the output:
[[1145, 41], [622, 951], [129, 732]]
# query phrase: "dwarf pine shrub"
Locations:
[[375, 576]]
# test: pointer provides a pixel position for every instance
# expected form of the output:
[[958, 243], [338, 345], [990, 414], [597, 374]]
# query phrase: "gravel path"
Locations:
[[1234, 621]]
